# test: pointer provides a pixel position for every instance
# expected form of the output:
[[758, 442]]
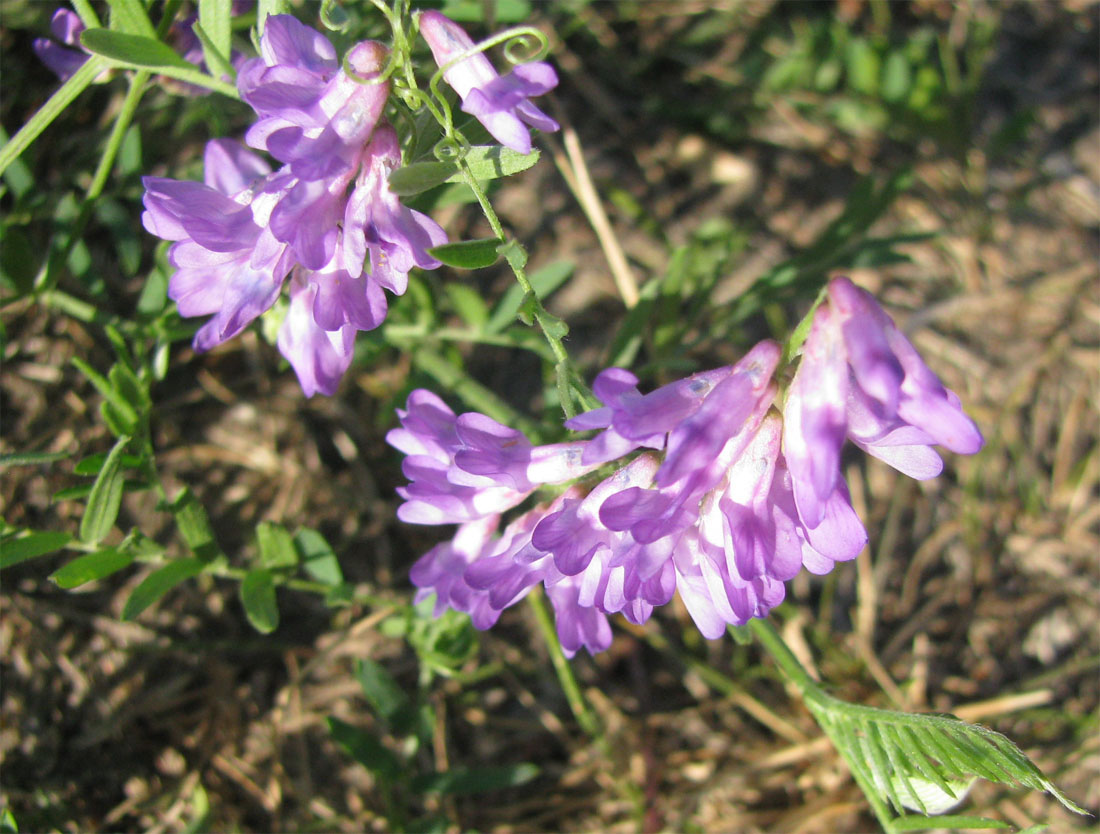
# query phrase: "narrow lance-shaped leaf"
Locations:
[[468, 254], [105, 498], [464, 781], [15, 550], [276, 546], [214, 18], [130, 16], [90, 567], [158, 583], [258, 598], [386, 696], [194, 525], [364, 748], [317, 557], [138, 52], [124, 410]]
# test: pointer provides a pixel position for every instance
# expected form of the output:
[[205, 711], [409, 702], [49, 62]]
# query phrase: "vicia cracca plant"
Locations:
[[717, 488]]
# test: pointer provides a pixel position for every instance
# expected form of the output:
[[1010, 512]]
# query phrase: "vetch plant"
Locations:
[[718, 488]]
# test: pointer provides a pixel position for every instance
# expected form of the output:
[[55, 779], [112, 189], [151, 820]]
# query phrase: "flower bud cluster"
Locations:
[[733, 497]]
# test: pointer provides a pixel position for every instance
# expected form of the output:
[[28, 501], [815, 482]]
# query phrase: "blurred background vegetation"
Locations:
[[946, 156]]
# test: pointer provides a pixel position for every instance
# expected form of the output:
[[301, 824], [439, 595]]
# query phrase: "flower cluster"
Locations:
[[326, 219], [317, 219], [733, 496]]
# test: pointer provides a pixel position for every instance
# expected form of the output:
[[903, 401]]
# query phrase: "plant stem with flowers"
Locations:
[[719, 487]]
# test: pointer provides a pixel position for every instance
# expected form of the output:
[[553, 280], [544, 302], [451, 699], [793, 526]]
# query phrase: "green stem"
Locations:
[[47, 276], [562, 669], [568, 378], [765, 632], [53, 108]]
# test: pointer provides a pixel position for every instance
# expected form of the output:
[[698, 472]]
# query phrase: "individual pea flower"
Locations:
[[313, 114], [380, 230], [65, 26], [470, 466], [499, 102], [859, 377], [227, 261]]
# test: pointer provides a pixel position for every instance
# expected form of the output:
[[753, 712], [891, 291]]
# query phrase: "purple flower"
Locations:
[[226, 263], [376, 226], [328, 214], [441, 571], [66, 27], [860, 377], [313, 115], [319, 356], [500, 103], [466, 467], [732, 503]]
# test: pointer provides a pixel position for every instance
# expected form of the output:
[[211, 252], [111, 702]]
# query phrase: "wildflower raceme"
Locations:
[[326, 223], [735, 492]]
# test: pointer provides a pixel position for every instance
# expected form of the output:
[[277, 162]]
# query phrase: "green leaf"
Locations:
[[544, 281], [214, 18], [158, 583], [896, 77], [131, 48], [490, 162], [105, 498], [258, 599], [137, 52], [90, 567], [49, 111], [30, 458], [463, 781], [317, 557], [469, 304], [123, 411], [93, 463], [194, 525], [389, 700], [420, 176], [130, 16], [949, 821], [924, 760], [15, 550], [276, 546], [364, 748], [468, 254]]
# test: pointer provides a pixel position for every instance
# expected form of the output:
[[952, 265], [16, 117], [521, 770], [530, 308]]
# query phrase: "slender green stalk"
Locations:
[[49, 111], [568, 378], [765, 632], [47, 276], [588, 721]]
